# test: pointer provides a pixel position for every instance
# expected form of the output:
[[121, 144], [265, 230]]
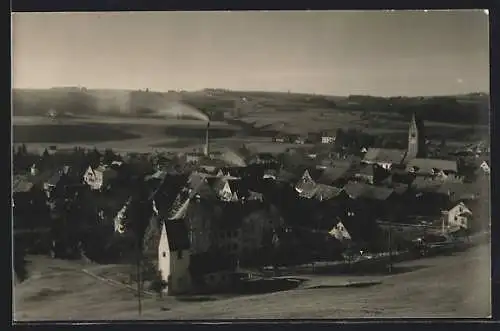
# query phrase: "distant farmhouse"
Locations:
[[328, 137]]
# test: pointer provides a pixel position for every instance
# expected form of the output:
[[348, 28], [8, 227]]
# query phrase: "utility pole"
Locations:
[[390, 247], [138, 269]]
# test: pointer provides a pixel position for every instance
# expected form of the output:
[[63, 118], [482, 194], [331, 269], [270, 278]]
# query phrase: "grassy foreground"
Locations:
[[456, 285]]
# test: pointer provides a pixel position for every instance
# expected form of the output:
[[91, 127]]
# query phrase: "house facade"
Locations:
[[485, 167], [384, 157], [458, 217], [340, 232], [174, 258], [327, 137], [99, 177], [366, 174]]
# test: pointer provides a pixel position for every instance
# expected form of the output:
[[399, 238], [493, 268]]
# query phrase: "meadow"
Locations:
[[258, 119]]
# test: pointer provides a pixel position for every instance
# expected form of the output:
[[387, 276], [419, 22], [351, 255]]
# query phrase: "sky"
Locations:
[[384, 53]]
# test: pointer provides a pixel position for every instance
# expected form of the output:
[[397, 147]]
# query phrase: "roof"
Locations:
[[428, 165], [218, 183], [55, 178], [426, 184], [231, 171], [212, 163], [177, 234], [459, 191], [326, 192], [384, 155], [366, 169], [180, 208], [103, 168], [333, 173], [358, 229], [255, 196], [21, 184], [198, 184], [365, 191], [167, 191], [306, 189], [400, 188], [157, 175], [285, 176], [238, 187], [314, 173], [270, 172]]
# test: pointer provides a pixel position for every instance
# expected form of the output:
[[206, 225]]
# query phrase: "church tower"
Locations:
[[416, 139]]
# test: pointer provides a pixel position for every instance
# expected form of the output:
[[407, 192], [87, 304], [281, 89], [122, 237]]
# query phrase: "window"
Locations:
[[456, 218], [164, 254]]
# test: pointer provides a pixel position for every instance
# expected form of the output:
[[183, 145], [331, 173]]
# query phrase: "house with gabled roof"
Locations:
[[485, 167], [100, 177], [456, 191], [331, 176], [457, 217], [432, 167], [384, 157], [355, 232], [230, 190], [174, 257], [22, 190], [367, 192], [375, 201], [328, 137]]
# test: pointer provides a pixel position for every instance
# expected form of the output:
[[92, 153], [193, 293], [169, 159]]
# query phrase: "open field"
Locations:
[[454, 286], [126, 134], [121, 134]]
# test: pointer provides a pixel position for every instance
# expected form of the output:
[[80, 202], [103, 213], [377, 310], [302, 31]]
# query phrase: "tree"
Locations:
[[19, 260], [340, 137], [109, 156]]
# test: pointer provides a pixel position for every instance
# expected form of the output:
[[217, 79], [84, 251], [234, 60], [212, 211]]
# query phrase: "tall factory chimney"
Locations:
[[206, 150]]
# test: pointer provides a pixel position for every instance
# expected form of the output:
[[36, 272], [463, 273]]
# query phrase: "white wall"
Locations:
[[457, 220], [174, 266]]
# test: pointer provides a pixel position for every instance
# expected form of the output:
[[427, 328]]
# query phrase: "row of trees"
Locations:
[[438, 109]]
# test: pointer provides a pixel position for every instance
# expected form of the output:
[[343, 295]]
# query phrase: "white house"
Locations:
[[457, 217], [340, 232], [99, 178], [327, 138], [230, 190], [174, 258], [384, 157], [485, 167], [33, 170]]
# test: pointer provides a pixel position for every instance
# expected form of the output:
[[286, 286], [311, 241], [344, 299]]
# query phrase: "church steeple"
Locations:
[[416, 139]]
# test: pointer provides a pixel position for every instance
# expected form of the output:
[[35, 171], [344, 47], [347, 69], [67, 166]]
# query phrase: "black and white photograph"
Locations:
[[235, 165]]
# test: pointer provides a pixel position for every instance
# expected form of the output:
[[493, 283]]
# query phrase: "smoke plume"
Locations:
[[233, 158], [178, 109]]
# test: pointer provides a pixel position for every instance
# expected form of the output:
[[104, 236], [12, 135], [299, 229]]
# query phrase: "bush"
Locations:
[[157, 284]]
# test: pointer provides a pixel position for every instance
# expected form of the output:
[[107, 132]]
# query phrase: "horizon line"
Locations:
[[244, 91]]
